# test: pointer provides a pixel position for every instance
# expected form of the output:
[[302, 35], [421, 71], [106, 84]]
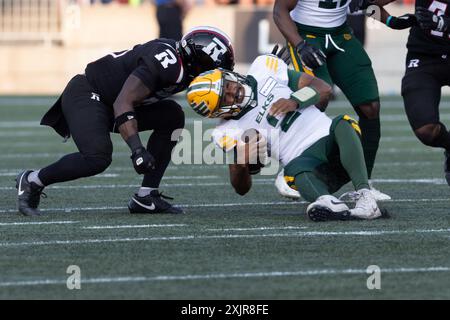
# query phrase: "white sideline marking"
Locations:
[[198, 166], [135, 226], [222, 236], [209, 205], [249, 275], [35, 223], [262, 181], [399, 149], [258, 228]]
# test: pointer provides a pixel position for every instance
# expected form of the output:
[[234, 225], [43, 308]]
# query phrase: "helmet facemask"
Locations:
[[232, 110], [208, 95]]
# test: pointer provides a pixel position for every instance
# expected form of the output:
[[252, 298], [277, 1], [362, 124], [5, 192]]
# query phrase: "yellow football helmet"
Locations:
[[204, 94]]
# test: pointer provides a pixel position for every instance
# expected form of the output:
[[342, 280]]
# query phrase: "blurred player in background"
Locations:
[[125, 92], [427, 71], [322, 44], [320, 155]]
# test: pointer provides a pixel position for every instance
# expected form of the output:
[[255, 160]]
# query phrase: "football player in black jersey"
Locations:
[[427, 69], [125, 92]]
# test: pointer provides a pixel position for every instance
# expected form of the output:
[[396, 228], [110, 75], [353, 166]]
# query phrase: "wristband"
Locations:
[[305, 97], [388, 20], [124, 117]]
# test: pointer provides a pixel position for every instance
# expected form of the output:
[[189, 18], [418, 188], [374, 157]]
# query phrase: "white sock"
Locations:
[[33, 177], [145, 191]]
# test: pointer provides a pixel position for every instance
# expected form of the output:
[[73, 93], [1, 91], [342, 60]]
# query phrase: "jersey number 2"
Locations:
[[287, 121]]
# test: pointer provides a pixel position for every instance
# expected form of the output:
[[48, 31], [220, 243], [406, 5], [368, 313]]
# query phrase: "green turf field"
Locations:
[[260, 246]]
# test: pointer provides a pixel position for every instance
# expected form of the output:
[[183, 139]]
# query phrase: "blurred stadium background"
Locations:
[[226, 247], [44, 43]]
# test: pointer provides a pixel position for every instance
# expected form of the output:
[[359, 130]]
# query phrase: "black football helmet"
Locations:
[[206, 48]]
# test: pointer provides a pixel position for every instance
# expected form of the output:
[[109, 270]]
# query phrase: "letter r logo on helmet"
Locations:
[[215, 48], [206, 48]]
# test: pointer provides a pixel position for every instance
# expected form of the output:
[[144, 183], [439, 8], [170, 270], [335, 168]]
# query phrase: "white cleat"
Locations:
[[327, 208], [378, 195], [283, 188], [366, 207]]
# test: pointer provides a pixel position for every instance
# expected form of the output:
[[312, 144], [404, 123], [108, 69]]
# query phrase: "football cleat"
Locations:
[[28, 195], [284, 189], [152, 203], [354, 195], [447, 166], [377, 194], [328, 208], [366, 207]]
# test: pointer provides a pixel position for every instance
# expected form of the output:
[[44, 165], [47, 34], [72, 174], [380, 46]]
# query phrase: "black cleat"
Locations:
[[322, 213], [28, 195], [447, 166], [152, 203]]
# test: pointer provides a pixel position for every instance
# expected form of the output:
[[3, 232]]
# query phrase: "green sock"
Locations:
[[309, 186], [370, 139], [351, 154]]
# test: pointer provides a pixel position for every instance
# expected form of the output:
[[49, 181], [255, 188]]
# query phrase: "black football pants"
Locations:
[[91, 122]]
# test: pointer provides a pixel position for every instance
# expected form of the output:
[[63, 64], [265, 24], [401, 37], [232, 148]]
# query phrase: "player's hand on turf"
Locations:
[[403, 22], [252, 149], [282, 53], [427, 20], [143, 161], [311, 56], [283, 106]]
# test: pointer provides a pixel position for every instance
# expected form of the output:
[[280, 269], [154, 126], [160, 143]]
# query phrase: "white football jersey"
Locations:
[[321, 13], [289, 135]]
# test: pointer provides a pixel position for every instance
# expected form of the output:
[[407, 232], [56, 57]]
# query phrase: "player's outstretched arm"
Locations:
[[133, 92], [397, 23], [311, 91], [284, 22]]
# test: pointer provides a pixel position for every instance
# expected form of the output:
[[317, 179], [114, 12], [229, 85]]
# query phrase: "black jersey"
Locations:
[[157, 63], [426, 41]]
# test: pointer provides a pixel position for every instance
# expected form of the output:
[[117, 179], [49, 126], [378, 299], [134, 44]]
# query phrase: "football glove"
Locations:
[[282, 53], [311, 56], [403, 22], [427, 20], [143, 161]]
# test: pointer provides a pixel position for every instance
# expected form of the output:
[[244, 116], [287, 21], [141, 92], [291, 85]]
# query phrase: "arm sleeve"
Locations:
[[294, 77]]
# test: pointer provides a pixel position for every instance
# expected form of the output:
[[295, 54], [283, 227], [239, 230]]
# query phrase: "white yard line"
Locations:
[[41, 155], [262, 181], [135, 226], [208, 205], [10, 224], [258, 228], [220, 236], [213, 276]]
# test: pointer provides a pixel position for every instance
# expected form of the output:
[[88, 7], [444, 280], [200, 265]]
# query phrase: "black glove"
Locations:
[[427, 20], [403, 22], [283, 54], [357, 5], [143, 161], [311, 56]]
